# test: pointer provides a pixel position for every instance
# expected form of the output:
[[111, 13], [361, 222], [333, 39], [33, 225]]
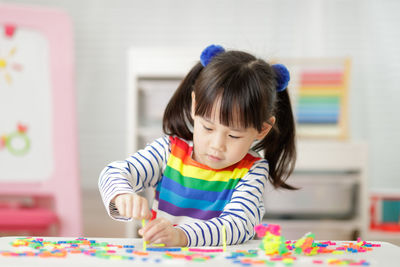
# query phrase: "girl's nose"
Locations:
[[218, 142]]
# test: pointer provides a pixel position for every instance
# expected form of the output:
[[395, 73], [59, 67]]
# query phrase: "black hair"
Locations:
[[248, 85]]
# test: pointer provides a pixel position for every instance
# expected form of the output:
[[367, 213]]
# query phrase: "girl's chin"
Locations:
[[216, 164], [211, 161]]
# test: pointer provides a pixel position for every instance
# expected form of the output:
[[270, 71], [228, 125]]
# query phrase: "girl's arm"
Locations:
[[240, 215], [139, 171]]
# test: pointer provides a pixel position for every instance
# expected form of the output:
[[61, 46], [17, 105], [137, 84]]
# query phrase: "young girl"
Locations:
[[205, 170]]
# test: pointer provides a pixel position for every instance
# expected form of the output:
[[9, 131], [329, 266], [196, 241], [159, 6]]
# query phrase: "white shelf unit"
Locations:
[[152, 65], [152, 69], [338, 170]]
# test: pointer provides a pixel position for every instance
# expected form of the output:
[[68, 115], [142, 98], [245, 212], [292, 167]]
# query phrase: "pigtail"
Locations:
[[177, 113], [280, 145]]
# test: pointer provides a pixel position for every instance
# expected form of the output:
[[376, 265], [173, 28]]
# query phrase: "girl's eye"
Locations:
[[206, 128], [234, 136]]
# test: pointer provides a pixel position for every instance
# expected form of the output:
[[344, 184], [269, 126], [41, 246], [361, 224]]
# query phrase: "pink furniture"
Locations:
[[33, 220], [51, 205]]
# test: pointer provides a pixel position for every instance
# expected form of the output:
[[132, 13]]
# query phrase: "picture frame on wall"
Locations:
[[319, 88]]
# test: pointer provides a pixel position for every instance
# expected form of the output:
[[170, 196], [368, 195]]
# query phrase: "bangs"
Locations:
[[239, 98]]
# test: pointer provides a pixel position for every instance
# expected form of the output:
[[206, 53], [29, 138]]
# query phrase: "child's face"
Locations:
[[219, 146]]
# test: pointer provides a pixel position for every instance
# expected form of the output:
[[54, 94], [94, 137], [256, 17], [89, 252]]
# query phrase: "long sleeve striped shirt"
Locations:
[[198, 199]]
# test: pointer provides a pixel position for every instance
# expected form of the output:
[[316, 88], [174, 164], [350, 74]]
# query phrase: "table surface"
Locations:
[[386, 255]]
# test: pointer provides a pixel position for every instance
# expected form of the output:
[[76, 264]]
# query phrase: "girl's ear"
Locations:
[[193, 105], [267, 126]]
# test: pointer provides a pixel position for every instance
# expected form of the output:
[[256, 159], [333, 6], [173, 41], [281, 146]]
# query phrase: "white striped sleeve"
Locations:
[[240, 215], [141, 170]]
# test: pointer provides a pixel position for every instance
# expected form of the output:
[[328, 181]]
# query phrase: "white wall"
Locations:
[[366, 30]]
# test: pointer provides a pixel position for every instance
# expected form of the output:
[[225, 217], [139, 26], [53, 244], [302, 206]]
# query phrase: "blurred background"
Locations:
[[364, 31]]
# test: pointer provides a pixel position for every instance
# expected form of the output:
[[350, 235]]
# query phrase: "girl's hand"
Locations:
[[161, 231], [132, 206]]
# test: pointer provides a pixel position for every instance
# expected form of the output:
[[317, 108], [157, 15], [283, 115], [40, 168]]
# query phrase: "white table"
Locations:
[[387, 255]]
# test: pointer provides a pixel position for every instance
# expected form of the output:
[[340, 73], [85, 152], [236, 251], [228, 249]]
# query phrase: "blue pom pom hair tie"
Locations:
[[282, 77], [209, 53]]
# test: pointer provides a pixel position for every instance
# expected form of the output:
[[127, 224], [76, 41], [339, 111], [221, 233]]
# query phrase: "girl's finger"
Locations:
[[149, 215], [120, 206], [128, 207], [136, 209], [161, 239], [145, 212], [152, 229]]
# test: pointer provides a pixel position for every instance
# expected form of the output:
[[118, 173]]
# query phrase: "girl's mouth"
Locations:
[[214, 158]]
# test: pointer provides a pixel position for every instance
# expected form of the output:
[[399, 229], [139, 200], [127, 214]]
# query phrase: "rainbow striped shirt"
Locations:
[[195, 197]]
